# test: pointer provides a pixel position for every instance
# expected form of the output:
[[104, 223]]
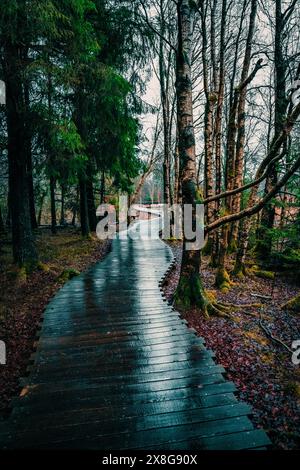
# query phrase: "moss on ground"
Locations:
[[68, 274], [293, 305], [264, 274]]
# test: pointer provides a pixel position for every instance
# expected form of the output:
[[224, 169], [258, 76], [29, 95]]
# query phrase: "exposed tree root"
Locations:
[[260, 296], [191, 293], [254, 305], [272, 337], [219, 310]]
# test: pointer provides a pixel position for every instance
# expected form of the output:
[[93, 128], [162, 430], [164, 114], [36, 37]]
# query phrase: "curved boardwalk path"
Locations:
[[117, 368]]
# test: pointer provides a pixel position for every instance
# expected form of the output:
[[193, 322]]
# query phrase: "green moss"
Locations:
[[223, 280], [239, 270], [68, 274], [173, 239], [293, 305], [232, 248], [30, 266], [43, 267], [264, 274], [240, 274], [254, 268], [190, 292]]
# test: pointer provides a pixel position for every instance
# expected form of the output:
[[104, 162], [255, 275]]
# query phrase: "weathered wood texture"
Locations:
[[117, 368]]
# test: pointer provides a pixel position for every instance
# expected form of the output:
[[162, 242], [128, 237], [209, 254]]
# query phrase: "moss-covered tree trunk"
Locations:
[[222, 276], [190, 290]]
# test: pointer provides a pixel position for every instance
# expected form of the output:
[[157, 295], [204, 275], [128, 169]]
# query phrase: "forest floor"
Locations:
[[22, 300], [262, 369]]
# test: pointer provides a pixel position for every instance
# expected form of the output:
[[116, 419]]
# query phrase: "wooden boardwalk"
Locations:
[[117, 368]]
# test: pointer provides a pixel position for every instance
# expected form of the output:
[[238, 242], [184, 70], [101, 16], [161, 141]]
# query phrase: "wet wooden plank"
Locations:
[[136, 429], [123, 356], [123, 350], [133, 375], [117, 368], [159, 342], [137, 399], [160, 437], [161, 365], [162, 328], [160, 402], [244, 440]]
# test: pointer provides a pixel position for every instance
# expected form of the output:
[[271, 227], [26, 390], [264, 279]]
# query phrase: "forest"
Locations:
[[170, 102]]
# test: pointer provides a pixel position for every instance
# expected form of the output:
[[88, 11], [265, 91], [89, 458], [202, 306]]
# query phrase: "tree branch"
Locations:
[[289, 11], [270, 159], [257, 207], [155, 30]]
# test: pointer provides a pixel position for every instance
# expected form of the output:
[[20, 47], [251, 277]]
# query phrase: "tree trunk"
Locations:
[[75, 207], [1, 221], [264, 244], [218, 137], [28, 151], [176, 173], [164, 93], [2, 229], [83, 178], [240, 145], [84, 220], [24, 251], [31, 191], [91, 203], [222, 275], [210, 97], [53, 205], [208, 171], [138, 189], [8, 215], [51, 161], [190, 290], [41, 208], [62, 205], [102, 189]]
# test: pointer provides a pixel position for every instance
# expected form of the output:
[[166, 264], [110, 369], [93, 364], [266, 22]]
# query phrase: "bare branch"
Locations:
[[257, 207], [155, 30]]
